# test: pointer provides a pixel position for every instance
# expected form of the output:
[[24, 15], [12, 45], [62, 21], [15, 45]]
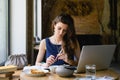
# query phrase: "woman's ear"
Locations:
[[53, 29]]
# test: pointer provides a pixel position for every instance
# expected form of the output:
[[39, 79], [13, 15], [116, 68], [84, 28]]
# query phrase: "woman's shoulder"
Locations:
[[48, 40], [44, 40]]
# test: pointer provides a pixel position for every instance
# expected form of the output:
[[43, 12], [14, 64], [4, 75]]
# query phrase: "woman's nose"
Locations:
[[61, 32]]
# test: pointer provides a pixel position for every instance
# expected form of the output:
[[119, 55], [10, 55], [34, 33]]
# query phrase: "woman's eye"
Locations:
[[59, 28], [64, 30]]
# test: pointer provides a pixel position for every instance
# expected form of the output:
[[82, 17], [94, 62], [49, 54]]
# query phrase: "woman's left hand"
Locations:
[[62, 56]]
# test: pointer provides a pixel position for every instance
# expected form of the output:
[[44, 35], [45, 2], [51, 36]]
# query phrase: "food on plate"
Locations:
[[36, 71]]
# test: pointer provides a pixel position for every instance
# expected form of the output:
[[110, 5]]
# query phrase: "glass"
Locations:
[[90, 71]]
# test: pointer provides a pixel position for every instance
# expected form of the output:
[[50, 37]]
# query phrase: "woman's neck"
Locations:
[[57, 40]]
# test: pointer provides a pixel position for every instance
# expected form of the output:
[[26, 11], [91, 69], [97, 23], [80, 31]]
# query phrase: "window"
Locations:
[[37, 18], [3, 30]]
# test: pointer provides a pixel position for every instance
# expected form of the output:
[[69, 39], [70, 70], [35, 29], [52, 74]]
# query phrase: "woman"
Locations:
[[62, 47]]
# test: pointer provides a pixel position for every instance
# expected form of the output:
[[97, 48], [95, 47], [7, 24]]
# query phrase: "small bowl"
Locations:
[[53, 69], [64, 72]]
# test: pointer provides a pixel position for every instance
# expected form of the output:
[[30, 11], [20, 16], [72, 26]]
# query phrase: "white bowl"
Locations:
[[53, 68], [64, 72]]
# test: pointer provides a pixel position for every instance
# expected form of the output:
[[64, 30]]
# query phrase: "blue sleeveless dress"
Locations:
[[53, 49]]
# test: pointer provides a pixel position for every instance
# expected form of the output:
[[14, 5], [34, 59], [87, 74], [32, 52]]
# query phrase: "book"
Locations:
[[9, 68]]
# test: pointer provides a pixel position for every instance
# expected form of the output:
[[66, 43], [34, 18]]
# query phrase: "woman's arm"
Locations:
[[42, 48], [41, 53]]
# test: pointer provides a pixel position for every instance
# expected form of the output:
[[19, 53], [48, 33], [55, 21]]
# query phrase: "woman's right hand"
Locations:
[[50, 60]]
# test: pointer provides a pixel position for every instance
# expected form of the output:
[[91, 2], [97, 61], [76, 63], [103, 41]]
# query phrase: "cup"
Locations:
[[90, 72]]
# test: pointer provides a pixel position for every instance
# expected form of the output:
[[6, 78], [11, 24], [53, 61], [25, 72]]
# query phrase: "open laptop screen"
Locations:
[[100, 55]]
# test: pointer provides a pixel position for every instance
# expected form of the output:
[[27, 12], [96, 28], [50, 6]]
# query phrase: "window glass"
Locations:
[[3, 30]]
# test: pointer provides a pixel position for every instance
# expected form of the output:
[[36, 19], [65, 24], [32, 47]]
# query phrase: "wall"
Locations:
[[91, 17], [18, 26], [86, 14], [118, 30]]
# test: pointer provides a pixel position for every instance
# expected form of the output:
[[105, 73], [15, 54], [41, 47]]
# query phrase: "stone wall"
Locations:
[[90, 18]]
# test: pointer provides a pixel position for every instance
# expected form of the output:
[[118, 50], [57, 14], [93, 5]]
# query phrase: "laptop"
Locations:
[[100, 55]]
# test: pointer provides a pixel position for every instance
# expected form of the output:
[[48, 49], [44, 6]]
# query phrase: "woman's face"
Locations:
[[60, 29]]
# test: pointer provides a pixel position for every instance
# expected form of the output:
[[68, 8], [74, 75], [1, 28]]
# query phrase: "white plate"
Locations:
[[27, 70], [28, 73]]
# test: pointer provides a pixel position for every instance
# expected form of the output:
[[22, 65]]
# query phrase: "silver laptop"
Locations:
[[100, 55]]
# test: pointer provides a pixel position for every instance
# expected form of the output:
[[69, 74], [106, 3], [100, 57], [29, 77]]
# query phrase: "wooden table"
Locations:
[[11, 75], [52, 76]]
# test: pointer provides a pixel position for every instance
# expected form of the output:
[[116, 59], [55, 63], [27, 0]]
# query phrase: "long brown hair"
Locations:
[[69, 39]]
